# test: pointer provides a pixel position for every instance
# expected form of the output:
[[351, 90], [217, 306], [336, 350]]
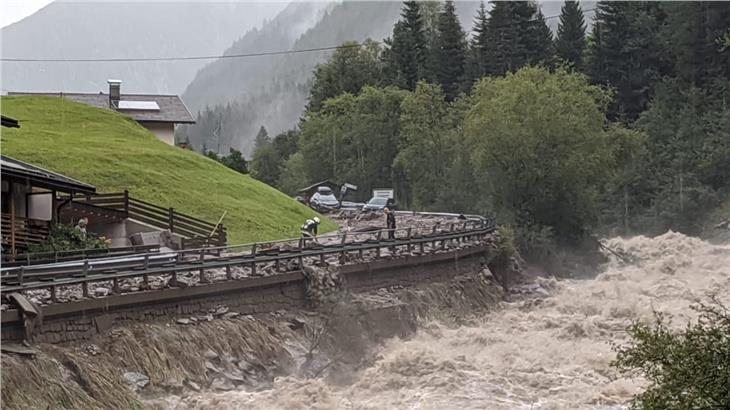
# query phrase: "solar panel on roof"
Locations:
[[138, 105]]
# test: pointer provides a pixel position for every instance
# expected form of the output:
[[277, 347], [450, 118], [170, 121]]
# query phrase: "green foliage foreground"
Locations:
[[115, 153], [688, 369]]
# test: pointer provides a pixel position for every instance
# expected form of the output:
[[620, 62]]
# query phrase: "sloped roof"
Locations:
[[13, 168], [326, 182], [172, 108]]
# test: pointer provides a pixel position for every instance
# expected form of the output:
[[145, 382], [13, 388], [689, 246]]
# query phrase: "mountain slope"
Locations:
[[65, 29], [114, 153], [272, 90]]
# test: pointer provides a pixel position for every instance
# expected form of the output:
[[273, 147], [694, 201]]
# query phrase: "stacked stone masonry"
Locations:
[[69, 324]]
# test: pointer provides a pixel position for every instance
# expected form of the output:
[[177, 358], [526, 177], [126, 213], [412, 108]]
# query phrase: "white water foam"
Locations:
[[554, 354]]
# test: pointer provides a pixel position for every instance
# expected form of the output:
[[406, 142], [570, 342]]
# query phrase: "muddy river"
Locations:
[[547, 353]]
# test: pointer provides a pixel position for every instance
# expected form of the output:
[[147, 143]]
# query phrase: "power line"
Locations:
[[117, 60], [211, 57]]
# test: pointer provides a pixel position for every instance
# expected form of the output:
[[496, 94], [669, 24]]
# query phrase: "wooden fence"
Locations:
[[194, 231]]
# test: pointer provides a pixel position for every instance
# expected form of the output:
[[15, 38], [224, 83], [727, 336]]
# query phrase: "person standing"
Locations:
[[390, 222]]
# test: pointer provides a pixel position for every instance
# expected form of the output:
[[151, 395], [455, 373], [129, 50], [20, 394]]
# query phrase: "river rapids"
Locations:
[[551, 352]]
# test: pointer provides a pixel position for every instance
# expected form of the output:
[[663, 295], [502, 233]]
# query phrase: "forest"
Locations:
[[618, 128]]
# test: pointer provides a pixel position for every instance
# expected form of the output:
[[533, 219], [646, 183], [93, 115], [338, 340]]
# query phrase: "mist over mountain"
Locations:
[[82, 30], [233, 98]]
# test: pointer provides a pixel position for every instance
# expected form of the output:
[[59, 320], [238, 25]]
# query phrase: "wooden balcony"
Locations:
[[22, 232]]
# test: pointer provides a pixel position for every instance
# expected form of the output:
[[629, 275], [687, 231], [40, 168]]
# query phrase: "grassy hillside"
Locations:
[[115, 153]]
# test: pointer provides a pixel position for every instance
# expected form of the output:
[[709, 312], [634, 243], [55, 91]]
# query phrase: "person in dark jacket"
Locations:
[[390, 222]]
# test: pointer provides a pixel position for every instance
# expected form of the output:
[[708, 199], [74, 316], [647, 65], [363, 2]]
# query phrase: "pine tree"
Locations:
[[451, 51], [571, 40], [262, 138], [625, 54], [503, 40], [540, 42], [430, 12], [478, 62], [408, 49], [517, 35], [693, 36]]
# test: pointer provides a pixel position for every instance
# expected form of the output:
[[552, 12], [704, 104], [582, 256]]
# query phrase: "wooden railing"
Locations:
[[193, 230], [23, 232]]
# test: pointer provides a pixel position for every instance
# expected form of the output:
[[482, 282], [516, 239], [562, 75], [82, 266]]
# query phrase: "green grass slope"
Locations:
[[115, 153]]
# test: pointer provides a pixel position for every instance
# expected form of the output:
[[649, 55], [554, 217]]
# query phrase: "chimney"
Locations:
[[114, 91]]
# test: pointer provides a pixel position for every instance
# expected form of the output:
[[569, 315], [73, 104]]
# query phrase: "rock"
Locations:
[[245, 366], [227, 358], [211, 355], [193, 319], [136, 380], [221, 310], [210, 366], [231, 315], [101, 291], [542, 292], [296, 323], [222, 384], [172, 385], [235, 376], [183, 321], [192, 385]]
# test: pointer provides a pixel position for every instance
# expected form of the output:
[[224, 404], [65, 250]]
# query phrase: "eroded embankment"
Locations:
[[165, 365]]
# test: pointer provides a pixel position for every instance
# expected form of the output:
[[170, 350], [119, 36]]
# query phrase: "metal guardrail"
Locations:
[[42, 258], [82, 273]]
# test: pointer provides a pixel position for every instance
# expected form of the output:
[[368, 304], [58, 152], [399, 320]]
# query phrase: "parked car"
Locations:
[[324, 200], [378, 203], [352, 205]]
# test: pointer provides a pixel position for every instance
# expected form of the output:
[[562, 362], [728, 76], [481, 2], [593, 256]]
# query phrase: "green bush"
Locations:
[[67, 238], [686, 369]]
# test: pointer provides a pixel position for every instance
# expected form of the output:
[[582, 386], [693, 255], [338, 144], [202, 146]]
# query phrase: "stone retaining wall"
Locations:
[[74, 321]]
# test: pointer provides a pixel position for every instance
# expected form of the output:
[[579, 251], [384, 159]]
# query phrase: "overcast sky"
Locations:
[[14, 10]]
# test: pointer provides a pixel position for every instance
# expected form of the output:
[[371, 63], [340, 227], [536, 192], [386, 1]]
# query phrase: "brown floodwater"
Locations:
[[548, 353]]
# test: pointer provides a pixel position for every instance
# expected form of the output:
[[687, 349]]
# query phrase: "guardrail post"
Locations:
[[253, 259], [54, 297], [21, 272], [126, 202], [145, 275], [409, 239], [201, 273], [173, 279], [342, 243], [171, 219], [377, 249], [85, 284], [229, 275]]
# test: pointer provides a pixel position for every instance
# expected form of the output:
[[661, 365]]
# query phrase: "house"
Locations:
[[30, 201], [34, 199], [157, 113]]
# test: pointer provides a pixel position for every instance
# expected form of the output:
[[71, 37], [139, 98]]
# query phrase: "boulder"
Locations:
[[136, 380]]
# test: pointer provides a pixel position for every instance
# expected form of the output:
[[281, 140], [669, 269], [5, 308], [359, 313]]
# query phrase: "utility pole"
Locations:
[[217, 133]]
